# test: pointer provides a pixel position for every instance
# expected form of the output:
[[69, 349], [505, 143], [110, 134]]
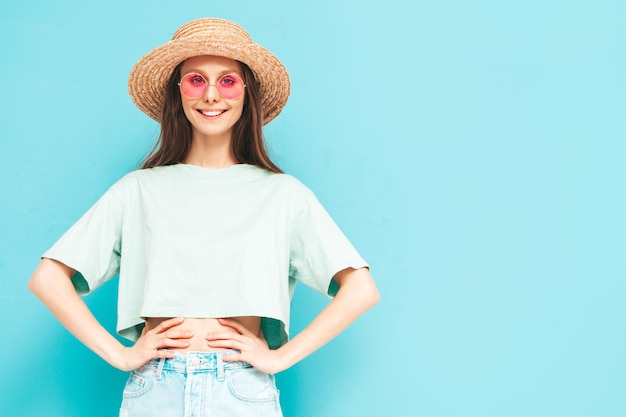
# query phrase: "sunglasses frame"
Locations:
[[207, 85]]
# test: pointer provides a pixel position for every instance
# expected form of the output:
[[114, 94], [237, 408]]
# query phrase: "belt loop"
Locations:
[[220, 368], [159, 370]]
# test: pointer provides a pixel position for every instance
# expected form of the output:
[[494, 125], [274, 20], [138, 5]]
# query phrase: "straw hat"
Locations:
[[208, 36]]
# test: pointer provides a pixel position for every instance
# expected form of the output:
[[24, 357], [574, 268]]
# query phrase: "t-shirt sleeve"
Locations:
[[319, 249], [92, 246]]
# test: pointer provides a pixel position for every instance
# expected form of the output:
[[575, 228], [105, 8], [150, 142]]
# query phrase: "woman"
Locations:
[[208, 240]]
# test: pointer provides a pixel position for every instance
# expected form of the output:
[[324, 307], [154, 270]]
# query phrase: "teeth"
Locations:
[[212, 113]]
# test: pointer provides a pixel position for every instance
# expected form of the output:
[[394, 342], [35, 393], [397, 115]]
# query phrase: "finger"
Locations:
[[226, 344], [178, 334], [165, 343], [224, 336], [175, 343], [168, 324], [241, 329], [235, 357], [165, 354]]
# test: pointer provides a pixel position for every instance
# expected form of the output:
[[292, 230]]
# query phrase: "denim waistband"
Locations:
[[197, 362]]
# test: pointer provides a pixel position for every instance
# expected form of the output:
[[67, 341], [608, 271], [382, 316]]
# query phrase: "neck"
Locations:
[[210, 152]]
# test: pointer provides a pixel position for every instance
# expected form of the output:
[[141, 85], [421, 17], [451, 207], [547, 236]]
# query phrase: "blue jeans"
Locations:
[[199, 384]]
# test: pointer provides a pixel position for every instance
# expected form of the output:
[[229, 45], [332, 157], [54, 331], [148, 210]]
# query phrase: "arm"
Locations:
[[357, 293], [51, 283]]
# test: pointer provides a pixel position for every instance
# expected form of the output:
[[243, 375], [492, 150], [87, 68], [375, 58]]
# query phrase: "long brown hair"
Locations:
[[248, 144]]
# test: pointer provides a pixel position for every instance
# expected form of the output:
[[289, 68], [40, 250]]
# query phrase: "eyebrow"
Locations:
[[219, 74]]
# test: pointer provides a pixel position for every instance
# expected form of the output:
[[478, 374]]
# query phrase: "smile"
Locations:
[[212, 113]]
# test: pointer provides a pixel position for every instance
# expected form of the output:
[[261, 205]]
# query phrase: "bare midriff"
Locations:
[[201, 327]]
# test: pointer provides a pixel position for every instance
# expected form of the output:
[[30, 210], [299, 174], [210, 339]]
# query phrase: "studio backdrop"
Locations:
[[473, 152]]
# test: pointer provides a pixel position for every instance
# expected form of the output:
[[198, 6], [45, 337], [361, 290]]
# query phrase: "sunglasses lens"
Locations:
[[230, 86], [193, 85]]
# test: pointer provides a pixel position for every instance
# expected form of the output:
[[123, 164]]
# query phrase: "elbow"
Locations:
[[48, 275], [370, 296], [370, 293], [373, 295], [360, 284], [376, 297], [35, 282]]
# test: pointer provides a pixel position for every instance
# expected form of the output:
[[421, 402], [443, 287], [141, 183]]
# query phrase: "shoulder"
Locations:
[[129, 183], [291, 183], [265, 179], [147, 173], [147, 176]]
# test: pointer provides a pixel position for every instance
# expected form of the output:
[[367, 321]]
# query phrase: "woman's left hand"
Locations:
[[253, 349]]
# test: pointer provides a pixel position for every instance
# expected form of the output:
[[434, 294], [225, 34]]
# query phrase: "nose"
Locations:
[[211, 94]]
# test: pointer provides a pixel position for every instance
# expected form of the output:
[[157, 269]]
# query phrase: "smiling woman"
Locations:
[[208, 239]]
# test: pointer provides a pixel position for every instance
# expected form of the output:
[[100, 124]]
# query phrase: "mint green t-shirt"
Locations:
[[187, 241]]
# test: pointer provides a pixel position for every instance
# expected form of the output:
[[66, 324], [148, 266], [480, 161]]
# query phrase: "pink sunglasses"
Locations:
[[194, 85]]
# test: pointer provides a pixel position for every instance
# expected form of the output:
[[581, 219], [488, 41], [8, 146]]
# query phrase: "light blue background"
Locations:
[[473, 151]]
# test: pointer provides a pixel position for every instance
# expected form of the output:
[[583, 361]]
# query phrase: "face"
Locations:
[[211, 115]]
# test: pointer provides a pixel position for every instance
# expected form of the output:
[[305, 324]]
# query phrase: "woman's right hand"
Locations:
[[151, 343]]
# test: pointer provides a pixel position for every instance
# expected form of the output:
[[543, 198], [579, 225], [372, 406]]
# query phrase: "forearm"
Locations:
[[52, 285], [356, 295]]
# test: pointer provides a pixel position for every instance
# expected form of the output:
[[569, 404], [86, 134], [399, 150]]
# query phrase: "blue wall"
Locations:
[[472, 150]]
